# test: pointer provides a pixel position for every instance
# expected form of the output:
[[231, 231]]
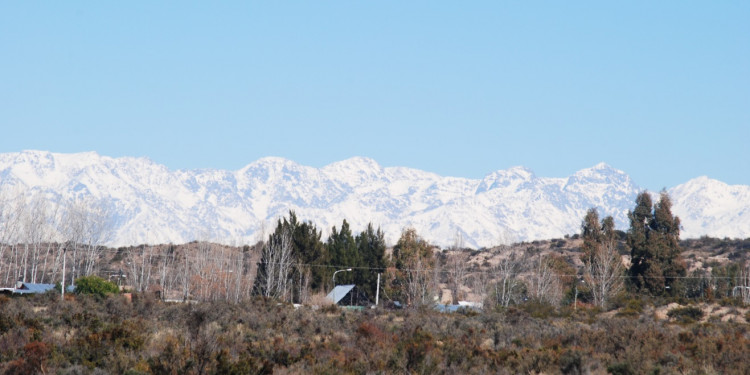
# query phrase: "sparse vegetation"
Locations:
[[557, 306], [146, 336], [687, 314]]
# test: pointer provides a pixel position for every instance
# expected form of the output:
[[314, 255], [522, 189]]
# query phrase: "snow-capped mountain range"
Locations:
[[152, 204]]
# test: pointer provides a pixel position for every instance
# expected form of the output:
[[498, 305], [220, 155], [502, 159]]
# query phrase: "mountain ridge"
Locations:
[[152, 203]]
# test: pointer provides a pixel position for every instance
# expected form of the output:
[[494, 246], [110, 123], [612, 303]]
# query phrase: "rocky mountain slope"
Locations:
[[152, 204]]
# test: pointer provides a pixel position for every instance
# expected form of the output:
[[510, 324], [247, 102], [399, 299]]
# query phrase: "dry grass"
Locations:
[[319, 300]]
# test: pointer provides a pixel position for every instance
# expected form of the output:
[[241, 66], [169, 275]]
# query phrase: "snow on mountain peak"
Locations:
[[599, 178], [708, 206], [355, 170], [154, 204], [602, 170], [273, 162], [511, 178]]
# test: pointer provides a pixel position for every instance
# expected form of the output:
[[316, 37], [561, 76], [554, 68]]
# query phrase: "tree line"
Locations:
[[294, 264], [38, 239]]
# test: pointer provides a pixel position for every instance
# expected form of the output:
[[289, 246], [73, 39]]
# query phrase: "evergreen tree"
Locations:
[[311, 253], [363, 253], [371, 247], [308, 254], [653, 239], [591, 233], [665, 236], [410, 248], [343, 252], [411, 278]]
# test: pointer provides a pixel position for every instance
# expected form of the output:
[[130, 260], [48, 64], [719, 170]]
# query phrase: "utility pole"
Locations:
[[62, 285], [575, 298], [377, 291]]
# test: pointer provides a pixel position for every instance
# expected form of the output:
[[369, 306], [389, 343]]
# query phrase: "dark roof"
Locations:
[[339, 292]]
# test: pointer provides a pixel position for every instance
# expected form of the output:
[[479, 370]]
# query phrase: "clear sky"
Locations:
[[659, 89]]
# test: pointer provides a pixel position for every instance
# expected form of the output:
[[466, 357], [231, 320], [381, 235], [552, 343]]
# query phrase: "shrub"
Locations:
[[35, 355], [729, 301], [686, 314], [95, 285], [620, 369], [539, 310], [571, 362], [633, 307]]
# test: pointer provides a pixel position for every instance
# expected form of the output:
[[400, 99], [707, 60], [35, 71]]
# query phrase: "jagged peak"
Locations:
[[706, 183], [703, 180], [512, 172], [41, 154], [599, 173], [272, 162], [512, 176], [516, 201], [600, 168], [356, 161], [357, 165]]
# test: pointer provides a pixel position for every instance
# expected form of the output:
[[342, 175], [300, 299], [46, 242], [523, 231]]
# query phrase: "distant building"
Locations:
[[339, 292], [32, 288]]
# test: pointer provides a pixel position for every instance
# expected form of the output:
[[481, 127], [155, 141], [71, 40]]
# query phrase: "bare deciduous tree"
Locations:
[[276, 264], [12, 212], [507, 286], [457, 267], [544, 283], [419, 283], [604, 274], [742, 289], [167, 274], [413, 277], [97, 232], [185, 273], [86, 227], [603, 269], [139, 263]]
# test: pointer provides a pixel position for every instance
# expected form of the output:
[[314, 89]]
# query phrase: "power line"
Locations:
[[142, 251]]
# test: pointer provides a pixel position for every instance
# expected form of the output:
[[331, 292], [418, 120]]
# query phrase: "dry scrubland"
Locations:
[[84, 334]]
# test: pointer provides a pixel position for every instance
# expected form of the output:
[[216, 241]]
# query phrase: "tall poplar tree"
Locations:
[[371, 247], [343, 253], [603, 269], [653, 238], [591, 233]]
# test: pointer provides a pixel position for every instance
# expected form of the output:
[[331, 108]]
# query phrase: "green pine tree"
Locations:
[[311, 253], [371, 247], [343, 251], [653, 238], [591, 233]]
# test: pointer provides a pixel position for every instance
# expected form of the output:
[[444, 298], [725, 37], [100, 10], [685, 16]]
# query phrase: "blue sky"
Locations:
[[660, 90]]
